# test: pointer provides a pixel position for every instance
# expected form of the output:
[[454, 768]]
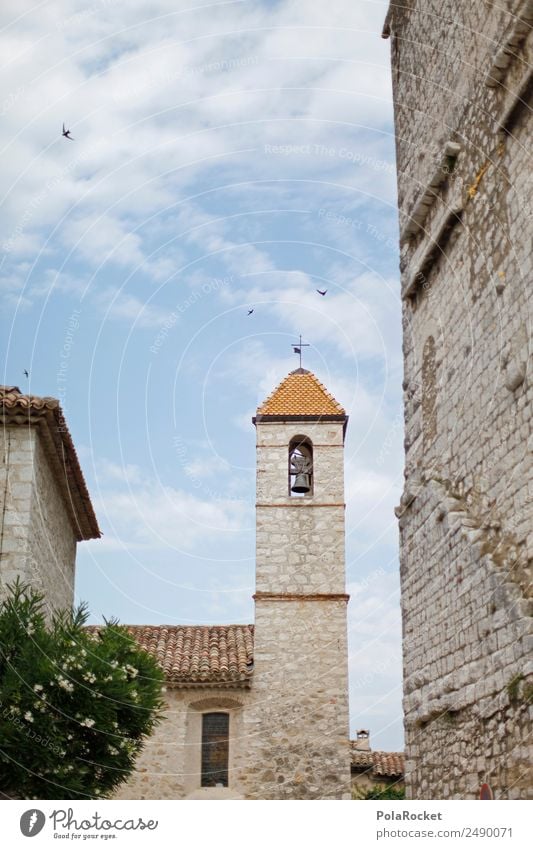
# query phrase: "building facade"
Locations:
[[45, 506], [462, 83], [261, 711], [252, 711]]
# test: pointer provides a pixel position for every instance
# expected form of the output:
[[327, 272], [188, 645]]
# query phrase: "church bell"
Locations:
[[301, 483]]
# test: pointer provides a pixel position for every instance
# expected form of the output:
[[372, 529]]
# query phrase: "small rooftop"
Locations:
[[301, 394], [380, 764], [18, 409], [214, 655]]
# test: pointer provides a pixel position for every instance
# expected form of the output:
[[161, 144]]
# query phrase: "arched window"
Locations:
[[215, 749], [429, 391], [300, 466]]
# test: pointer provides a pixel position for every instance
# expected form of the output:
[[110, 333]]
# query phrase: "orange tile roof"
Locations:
[[198, 654], [382, 764], [300, 394], [16, 408]]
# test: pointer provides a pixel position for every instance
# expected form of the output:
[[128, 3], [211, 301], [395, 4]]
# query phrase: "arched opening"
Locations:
[[300, 466]]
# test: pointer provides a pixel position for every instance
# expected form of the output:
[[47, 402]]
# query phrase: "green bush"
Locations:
[[75, 706], [389, 791]]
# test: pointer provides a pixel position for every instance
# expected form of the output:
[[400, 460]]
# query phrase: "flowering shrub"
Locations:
[[75, 705]]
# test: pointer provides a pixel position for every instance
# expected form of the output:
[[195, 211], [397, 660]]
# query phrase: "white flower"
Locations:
[[64, 684], [28, 716], [38, 687], [30, 629], [87, 722], [112, 750], [90, 677], [114, 664]]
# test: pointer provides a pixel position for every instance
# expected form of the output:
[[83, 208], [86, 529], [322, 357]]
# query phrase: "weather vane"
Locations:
[[297, 348]]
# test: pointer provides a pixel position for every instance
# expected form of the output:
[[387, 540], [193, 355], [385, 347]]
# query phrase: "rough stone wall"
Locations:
[[38, 542], [289, 733], [459, 76], [297, 723], [169, 767], [296, 726]]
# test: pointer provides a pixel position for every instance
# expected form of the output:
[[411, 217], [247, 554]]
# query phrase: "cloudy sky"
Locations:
[[226, 155]]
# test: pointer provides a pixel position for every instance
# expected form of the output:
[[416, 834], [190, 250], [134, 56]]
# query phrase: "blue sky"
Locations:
[[225, 155]]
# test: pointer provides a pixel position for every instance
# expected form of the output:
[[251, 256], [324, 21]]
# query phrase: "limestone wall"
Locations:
[[297, 723], [289, 733], [38, 542], [296, 727], [169, 766], [300, 540], [465, 516]]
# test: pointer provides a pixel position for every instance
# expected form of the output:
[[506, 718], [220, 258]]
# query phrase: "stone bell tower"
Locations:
[[299, 723]]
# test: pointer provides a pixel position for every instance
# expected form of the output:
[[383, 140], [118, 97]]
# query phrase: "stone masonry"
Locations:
[[289, 721], [462, 84], [45, 506]]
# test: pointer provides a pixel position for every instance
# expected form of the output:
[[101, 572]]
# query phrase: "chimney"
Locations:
[[362, 742]]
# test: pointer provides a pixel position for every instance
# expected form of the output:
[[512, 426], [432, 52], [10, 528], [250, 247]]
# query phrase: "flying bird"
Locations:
[[250, 312], [322, 291], [26, 374], [66, 133]]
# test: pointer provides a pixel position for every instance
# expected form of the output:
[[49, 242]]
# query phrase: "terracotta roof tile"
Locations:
[[300, 394], [384, 764], [46, 414], [198, 654]]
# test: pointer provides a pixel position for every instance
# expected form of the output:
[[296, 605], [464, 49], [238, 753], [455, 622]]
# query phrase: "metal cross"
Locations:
[[297, 347]]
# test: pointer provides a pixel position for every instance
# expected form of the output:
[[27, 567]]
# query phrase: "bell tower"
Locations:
[[300, 688]]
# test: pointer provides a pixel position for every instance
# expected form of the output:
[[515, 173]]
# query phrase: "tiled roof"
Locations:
[[46, 414], [384, 764], [300, 394], [199, 654]]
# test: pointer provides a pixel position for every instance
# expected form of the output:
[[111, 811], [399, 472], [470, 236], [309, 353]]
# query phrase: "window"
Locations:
[[300, 466], [215, 749]]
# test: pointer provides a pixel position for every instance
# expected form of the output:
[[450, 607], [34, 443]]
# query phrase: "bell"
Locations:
[[301, 483]]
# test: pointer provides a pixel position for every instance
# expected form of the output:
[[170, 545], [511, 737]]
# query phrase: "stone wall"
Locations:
[[169, 766], [464, 183], [297, 724], [289, 733], [38, 542]]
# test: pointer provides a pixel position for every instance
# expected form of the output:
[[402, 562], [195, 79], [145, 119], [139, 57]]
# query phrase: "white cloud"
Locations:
[[147, 101], [142, 512]]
